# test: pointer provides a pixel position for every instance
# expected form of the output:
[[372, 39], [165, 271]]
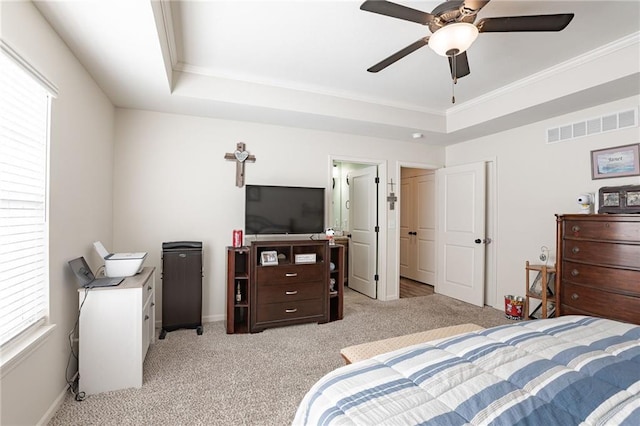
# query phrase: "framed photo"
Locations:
[[619, 199], [268, 258], [615, 162]]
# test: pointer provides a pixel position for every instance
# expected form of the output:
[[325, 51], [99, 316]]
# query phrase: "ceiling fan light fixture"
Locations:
[[453, 39]]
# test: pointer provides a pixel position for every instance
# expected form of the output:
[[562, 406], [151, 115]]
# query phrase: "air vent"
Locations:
[[605, 123]]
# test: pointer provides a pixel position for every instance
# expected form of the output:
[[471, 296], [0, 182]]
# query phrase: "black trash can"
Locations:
[[181, 286]]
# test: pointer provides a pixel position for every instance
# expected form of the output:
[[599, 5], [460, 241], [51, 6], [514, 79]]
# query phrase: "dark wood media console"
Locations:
[[296, 290]]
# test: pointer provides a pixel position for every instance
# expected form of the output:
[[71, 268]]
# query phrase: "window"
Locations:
[[24, 130]]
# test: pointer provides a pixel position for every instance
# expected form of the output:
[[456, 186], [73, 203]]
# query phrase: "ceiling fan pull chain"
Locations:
[[453, 79], [453, 94]]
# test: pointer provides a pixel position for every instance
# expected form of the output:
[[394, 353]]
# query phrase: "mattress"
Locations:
[[562, 371]]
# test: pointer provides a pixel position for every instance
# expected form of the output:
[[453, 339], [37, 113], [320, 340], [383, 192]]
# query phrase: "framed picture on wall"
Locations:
[[613, 162]]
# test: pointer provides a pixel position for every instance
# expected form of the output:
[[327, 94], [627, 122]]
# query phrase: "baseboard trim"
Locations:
[[55, 406]]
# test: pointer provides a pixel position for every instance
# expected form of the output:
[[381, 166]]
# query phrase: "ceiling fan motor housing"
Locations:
[[449, 12]]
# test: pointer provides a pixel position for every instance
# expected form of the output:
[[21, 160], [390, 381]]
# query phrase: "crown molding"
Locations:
[[207, 72], [607, 49]]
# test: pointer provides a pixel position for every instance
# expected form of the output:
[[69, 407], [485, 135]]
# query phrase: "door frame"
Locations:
[[491, 284], [383, 278]]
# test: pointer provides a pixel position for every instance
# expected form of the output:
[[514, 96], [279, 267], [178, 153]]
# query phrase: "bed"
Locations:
[[562, 371]]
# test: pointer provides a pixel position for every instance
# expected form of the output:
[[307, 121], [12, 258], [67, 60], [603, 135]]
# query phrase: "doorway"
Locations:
[[418, 225], [355, 216], [490, 285]]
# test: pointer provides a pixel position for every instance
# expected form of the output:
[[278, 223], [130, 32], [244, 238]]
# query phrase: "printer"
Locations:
[[120, 264]]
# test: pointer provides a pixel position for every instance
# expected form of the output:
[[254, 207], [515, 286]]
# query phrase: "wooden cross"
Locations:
[[392, 197], [240, 156]]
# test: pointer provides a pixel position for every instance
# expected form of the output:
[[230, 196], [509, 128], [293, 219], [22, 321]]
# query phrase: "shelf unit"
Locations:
[[543, 289], [238, 289], [337, 255]]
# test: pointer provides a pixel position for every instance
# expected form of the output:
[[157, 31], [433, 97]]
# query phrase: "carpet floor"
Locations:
[[258, 379]]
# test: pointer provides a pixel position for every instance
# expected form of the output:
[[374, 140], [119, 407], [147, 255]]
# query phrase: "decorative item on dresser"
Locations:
[[598, 265], [619, 199]]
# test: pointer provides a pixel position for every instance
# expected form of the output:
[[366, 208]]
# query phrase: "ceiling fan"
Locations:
[[453, 30]]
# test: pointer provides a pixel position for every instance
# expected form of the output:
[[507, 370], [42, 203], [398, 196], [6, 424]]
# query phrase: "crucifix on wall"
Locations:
[[241, 156], [392, 197]]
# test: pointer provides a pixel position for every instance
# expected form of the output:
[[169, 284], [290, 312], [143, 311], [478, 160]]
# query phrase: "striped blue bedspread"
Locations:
[[569, 370]]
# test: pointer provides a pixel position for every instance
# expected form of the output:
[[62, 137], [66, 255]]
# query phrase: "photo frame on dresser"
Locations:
[[268, 258], [619, 199]]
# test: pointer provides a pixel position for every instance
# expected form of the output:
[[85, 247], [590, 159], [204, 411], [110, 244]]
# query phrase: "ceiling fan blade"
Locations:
[[396, 11], [525, 23], [399, 55], [462, 65]]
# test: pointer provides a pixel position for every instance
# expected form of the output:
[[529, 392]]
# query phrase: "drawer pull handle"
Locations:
[[149, 288], [575, 273], [291, 274], [146, 317], [291, 293], [291, 311], [575, 228], [575, 250], [574, 296]]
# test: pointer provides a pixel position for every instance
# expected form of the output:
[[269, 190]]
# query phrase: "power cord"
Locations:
[[73, 384]]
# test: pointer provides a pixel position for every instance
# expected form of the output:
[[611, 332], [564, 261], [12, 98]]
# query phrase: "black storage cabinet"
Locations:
[[181, 286]]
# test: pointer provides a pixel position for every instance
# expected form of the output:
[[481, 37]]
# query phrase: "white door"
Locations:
[[461, 232], [407, 254], [418, 228], [425, 236], [363, 216]]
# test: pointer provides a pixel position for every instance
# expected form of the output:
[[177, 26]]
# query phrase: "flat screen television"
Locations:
[[283, 210]]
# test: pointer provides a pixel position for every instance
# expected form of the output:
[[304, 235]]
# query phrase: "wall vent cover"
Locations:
[[592, 126]]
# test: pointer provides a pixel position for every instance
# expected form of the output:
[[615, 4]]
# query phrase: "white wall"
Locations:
[[80, 208], [173, 183], [536, 180]]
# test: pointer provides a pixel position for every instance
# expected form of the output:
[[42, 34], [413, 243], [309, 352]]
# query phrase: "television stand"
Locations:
[[285, 291]]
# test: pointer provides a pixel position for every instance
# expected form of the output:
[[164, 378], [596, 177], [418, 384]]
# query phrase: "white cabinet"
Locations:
[[117, 324]]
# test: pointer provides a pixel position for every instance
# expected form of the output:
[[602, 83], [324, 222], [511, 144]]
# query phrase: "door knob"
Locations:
[[482, 241]]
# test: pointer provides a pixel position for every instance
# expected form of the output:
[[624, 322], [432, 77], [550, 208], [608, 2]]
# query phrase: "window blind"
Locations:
[[24, 108]]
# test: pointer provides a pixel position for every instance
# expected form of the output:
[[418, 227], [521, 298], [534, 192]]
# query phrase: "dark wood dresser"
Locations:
[[598, 265], [293, 291]]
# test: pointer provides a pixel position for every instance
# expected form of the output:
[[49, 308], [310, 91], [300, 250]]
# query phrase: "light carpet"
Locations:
[[258, 379]]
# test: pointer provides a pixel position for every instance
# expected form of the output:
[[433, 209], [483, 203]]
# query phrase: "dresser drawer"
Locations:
[[602, 253], [616, 280], [291, 292], [272, 275], [288, 311], [600, 303], [602, 230]]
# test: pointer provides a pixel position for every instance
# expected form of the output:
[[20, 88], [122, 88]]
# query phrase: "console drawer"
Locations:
[[291, 292], [600, 303], [602, 253], [282, 274], [617, 280], [602, 230], [288, 311]]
